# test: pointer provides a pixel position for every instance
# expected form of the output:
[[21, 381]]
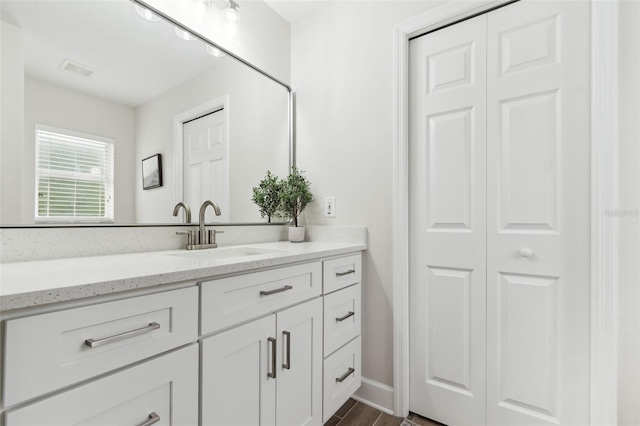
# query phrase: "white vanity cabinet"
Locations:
[[342, 327], [266, 372], [140, 336], [280, 346]]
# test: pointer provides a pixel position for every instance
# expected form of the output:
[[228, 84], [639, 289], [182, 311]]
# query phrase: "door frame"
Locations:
[[178, 142], [604, 189]]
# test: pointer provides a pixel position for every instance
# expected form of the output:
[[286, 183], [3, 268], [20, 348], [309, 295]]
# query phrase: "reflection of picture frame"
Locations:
[[152, 172]]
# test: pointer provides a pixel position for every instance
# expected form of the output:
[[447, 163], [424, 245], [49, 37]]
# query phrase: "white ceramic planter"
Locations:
[[296, 234]]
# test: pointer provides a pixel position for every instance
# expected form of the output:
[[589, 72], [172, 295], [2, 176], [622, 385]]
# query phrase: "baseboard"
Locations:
[[375, 394]]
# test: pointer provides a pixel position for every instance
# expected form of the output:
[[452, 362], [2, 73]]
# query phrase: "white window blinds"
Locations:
[[74, 176]]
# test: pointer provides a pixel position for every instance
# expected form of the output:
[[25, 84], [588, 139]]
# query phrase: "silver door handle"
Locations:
[[278, 290], [127, 334], [350, 314], [287, 365], [341, 274], [152, 419], [345, 375], [272, 374]]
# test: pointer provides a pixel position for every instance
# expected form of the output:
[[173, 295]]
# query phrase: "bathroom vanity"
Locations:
[[256, 334]]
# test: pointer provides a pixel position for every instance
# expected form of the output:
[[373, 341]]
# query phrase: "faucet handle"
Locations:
[[189, 235], [212, 235]]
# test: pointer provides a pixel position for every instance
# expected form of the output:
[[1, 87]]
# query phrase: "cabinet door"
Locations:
[[299, 385], [237, 365], [163, 391]]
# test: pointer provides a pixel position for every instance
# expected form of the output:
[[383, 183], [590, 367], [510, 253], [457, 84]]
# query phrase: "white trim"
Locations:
[[178, 121], [604, 189], [604, 195], [376, 395]]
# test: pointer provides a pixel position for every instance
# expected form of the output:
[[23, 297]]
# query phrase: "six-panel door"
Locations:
[[531, 236]]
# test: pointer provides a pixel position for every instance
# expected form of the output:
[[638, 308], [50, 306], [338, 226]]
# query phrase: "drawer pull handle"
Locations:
[[272, 374], [345, 375], [101, 342], [287, 365], [152, 419], [278, 290], [342, 274], [350, 314]]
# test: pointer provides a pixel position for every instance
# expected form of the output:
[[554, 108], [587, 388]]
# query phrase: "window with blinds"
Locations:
[[74, 176]]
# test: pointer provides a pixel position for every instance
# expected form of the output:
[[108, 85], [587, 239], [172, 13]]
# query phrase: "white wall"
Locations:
[[342, 73], [258, 137], [264, 36], [56, 106], [12, 124], [26, 102], [629, 226]]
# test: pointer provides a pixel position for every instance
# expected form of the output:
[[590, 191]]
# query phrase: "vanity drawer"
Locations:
[[50, 351], [341, 377], [342, 272], [166, 387], [341, 317], [233, 300]]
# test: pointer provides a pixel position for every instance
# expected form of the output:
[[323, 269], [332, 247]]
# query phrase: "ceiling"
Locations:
[[295, 10], [134, 60]]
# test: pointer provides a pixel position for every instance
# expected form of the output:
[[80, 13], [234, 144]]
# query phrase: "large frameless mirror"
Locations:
[[92, 90]]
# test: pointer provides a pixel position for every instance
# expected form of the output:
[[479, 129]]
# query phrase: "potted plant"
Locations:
[[294, 197], [267, 196]]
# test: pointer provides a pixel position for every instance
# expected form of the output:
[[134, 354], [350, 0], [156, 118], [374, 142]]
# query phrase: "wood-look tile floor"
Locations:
[[354, 413]]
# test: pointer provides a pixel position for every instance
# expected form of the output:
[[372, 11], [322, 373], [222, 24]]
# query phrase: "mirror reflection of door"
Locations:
[[205, 164]]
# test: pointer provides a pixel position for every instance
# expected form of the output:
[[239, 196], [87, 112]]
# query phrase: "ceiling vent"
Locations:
[[77, 68]]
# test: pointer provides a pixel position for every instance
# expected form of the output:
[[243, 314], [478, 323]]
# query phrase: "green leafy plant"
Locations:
[[267, 196], [294, 194]]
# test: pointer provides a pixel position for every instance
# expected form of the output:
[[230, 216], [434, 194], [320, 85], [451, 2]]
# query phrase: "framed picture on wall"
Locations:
[[152, 172]]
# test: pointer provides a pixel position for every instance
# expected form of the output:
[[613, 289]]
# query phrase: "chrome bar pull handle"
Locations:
[[287, 365], [342, 274], [151, 420], [92, 343], [345, 375], [272, 374], [350, 314], [278, 290]]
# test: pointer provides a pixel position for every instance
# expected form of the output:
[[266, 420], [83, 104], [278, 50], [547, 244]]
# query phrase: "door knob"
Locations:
[[526, 252]]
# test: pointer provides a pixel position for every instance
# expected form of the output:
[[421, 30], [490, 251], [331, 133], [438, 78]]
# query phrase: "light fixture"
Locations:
[[214, 51], [232, 13], [146, 13], [185, 35]]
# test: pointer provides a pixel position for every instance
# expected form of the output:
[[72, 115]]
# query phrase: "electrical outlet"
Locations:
[[329, 206]]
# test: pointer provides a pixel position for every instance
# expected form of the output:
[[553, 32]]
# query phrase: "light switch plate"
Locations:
[[329, 206]]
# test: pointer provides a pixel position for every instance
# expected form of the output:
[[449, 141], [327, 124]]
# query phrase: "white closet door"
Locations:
[[538, 214], [448, 223], [205, 166]]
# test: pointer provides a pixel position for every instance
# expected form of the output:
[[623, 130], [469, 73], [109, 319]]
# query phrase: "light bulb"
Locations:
[[214, 51], [232, 12], [184, 34], [147, 14]]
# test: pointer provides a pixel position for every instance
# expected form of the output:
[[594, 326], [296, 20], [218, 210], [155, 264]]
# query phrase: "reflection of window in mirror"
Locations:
[[74, 176]]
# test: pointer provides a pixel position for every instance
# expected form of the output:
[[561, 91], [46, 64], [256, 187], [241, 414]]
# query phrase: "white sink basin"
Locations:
[[225, 253]]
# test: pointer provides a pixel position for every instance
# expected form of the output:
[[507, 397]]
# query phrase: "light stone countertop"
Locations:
[[26, 284]]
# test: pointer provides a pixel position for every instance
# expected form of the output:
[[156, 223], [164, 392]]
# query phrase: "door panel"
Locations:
[[447, 223], [299, 361], [206, 163], [241, 359], [538, 214]]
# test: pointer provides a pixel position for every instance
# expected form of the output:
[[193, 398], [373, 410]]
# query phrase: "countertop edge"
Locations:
[[28, 299]]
